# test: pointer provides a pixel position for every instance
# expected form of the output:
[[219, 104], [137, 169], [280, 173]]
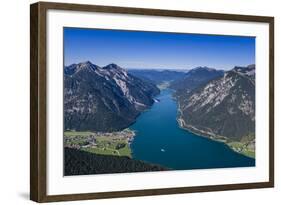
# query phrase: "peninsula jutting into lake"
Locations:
[[131, 116]]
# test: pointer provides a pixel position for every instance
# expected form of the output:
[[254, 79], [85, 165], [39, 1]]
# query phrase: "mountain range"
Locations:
[[103, 98], [223, 107], [195, 77], [213, 103], [157, 76]]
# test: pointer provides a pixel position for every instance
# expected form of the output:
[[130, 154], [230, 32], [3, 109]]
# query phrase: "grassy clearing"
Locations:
[[75, 133], [116, 143], [242, 148], [249, 153], [109, 145]]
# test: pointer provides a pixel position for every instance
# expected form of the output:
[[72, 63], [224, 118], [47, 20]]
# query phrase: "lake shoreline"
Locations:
[[158, 129], [208, 135]]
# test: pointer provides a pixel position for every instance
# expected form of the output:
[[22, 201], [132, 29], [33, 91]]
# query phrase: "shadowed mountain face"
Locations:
[[224, 106], [103, 98], [196, 77]]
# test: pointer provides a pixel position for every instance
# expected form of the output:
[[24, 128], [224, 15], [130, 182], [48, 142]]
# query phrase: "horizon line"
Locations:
[[157, 68]]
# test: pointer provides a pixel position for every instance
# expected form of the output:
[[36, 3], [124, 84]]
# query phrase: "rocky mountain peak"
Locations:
[[223, 106], [202, 68], [252, 66], [195, 77], [245, 69], [86, 65], [75, 68], [112, 66], [103, 99]]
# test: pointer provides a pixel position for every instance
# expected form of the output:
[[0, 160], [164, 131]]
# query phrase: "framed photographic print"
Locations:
[[134, 102]]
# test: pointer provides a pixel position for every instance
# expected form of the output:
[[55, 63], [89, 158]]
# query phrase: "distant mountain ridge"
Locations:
[[196, 77], [157, 76], [103, 98]]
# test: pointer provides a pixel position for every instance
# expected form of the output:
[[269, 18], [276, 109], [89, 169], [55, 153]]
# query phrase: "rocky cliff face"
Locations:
[[103, 98], [224, 106]]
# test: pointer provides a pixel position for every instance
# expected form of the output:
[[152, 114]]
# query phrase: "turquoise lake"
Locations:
[[160, 140]]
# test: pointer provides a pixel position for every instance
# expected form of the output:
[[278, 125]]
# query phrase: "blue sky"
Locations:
[[138, 49]]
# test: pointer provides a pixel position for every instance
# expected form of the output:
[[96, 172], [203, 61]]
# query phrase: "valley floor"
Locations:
[[114, 143]]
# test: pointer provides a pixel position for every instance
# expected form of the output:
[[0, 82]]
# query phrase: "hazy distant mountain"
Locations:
[[195, 77], [103, 98], [157, 76], [224, 106]]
